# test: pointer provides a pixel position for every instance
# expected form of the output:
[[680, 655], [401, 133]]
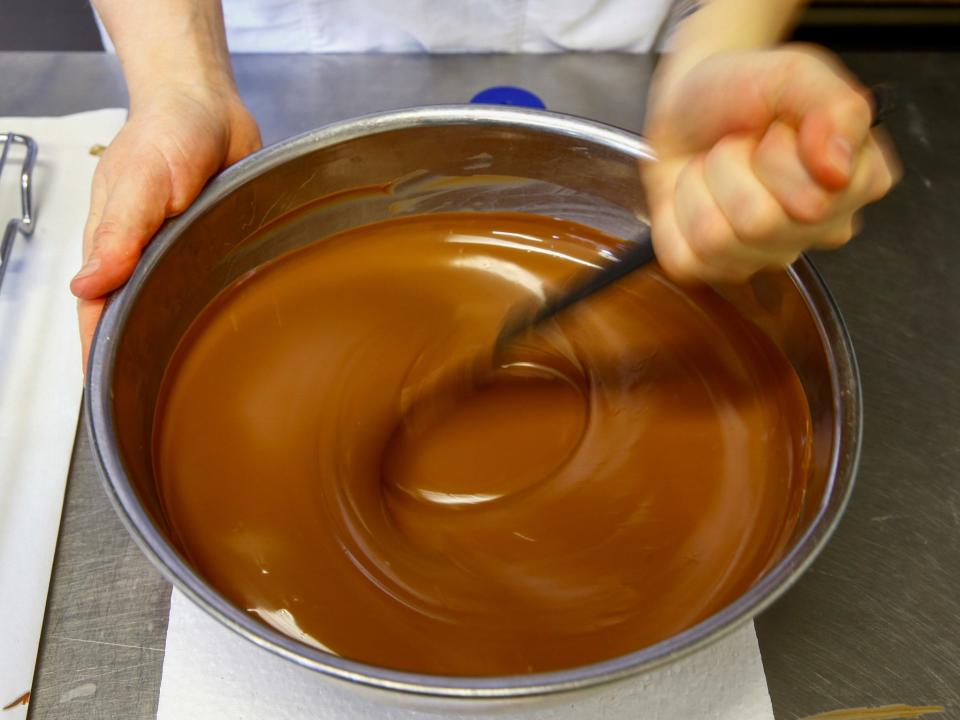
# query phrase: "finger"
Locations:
[[98, 198], [674, 254], [874, 175], [838, 233], [131, 215], [243, 143], [754, 214], [810, 90], [745, 92], [831, 134], [707, 230], [697, 111], [828, 219], [872, 179], [778, 166], [671, 249], [881, 137], [831, 110], [88, 315]]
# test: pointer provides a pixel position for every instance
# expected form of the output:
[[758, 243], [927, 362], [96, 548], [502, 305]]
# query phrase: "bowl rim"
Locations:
[[98, 408]]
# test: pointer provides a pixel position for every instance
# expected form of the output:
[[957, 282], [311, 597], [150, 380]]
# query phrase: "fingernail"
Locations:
[[840, 155], [89, 268]]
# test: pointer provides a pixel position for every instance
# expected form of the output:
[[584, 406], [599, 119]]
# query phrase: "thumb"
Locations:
[[134, 209], [831, 134], [88, 315]]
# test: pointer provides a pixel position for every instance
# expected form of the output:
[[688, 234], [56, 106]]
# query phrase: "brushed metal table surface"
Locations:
[[875, 621]]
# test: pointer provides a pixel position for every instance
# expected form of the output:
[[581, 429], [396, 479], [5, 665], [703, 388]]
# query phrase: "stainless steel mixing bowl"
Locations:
[[425, 160]]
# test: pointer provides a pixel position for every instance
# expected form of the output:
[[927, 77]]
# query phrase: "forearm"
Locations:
[[160, 42], [731, 25]]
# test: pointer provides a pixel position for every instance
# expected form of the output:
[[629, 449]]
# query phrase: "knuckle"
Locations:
[[811, 57], [724, 149], [678, 265], [710, 235], [683, 268], [780, 137], [182, 191], [801, 60], [755, 219], [810, 50], [114, 242], [675, 257], [837, 238], [835, 242], [859, 109], [777, 144], [883, 183], [791, 259], [180, 200], [176, 164], [106, 233], [809, 204], [797, 57]]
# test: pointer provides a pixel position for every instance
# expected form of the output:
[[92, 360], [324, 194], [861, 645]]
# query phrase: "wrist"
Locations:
[[723, 26], [169, 44], [205, 76], [213, 93]]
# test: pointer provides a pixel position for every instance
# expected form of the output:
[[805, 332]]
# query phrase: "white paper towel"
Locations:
[[40, 375], [211, 672]]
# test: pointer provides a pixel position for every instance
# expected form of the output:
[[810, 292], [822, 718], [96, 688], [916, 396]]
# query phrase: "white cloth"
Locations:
[[440, 26], [211, 673], [40, 375]]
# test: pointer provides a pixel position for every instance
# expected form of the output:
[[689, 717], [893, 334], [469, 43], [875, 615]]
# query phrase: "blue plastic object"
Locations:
[[508, 95]]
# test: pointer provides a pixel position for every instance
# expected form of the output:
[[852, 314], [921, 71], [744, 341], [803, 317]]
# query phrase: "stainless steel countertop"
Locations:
[[875, 621]]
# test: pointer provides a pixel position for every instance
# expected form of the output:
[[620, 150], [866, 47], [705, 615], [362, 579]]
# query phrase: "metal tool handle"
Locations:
[[636, 253], [886, 99], [25, 223]]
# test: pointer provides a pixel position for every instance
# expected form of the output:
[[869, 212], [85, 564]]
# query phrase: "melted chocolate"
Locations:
[[631, 469]]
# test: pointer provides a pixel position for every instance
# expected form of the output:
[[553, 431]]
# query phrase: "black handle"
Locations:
[[885, 98], [638, 252]]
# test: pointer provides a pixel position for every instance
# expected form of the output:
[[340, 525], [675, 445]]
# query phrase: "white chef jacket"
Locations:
[[441, 26]]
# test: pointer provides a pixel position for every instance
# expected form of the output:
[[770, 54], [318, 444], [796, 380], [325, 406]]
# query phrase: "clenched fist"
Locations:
[[762, 155]]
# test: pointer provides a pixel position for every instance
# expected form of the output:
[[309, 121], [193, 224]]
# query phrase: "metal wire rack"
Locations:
[[24, 224]]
